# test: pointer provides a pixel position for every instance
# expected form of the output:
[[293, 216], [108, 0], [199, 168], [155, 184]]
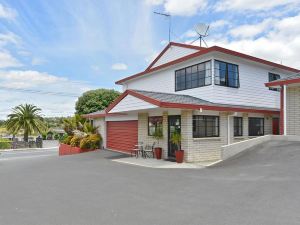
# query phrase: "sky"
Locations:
[[53, 51]]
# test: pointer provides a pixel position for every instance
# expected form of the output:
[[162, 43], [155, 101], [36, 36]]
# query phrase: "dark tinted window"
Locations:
[[205, 126], [193, 76], [226, 74], [256, 126]]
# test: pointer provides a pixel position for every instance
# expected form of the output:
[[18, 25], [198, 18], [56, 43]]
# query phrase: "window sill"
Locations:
[[207, 138]]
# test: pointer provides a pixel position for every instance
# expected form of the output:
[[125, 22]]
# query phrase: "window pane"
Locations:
[[238, 126], [226, 74], [154, 123], [188, 81], [191, 78], [256, 126], [205, 126]]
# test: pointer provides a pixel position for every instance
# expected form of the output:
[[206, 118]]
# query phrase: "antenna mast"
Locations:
[[168, 16]]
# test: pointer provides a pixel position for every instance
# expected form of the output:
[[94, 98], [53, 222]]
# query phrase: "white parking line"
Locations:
[[25, 157], [28, 152]]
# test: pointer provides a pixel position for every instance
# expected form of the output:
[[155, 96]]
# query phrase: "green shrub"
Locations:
[[85, 143], [62, 138], [67, 140], [75, 141], [95, 140], [56, 136], [5, 144]]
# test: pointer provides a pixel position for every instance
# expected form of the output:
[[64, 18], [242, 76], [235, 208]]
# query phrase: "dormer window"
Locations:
[[226, 74], [198, 75]]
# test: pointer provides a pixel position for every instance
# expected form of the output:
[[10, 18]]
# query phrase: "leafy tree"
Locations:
[[95, 100], [25, 117]]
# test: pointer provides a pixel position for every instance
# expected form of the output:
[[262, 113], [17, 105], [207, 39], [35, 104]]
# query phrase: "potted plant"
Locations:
[[176, 140], [158, 135]]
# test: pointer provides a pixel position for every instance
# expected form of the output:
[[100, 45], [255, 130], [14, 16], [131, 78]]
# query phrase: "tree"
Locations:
[[95, 100], [25, 117]]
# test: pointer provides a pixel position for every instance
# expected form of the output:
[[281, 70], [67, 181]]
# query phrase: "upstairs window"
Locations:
[[193, 76], [238, 126], [154, 123], [226, 74], [272, 77], [206, 126]]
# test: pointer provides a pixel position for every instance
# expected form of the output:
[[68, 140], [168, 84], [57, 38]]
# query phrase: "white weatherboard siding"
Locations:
[[252, 90], [130, 103], [174, 52]]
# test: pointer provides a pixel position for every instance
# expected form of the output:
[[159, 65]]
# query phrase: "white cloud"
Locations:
[[119, 66], [154, 2], [255, 5], [179, 7], [7, 60], [279, 42], [252, 30], [28, 78], [7, 13], [9, 38], [219, 23]]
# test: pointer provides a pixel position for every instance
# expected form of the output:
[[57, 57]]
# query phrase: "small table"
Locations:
[[137, 150]]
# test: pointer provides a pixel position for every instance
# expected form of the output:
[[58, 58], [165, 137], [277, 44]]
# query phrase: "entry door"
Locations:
[[174, 125], [275, 126]]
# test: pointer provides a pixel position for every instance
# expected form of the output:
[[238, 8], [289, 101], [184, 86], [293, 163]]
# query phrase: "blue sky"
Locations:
[[71, 46]]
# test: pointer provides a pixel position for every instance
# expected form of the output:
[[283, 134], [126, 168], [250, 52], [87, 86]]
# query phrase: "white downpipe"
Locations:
[[284, 111], [228, 130]]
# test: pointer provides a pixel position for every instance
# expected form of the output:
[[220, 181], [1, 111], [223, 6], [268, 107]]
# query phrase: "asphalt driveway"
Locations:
[[260, 187]]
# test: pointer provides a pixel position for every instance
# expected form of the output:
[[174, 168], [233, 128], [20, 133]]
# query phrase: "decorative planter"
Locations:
[[179, 154], [158, 152], [64, 149], [69, 150]]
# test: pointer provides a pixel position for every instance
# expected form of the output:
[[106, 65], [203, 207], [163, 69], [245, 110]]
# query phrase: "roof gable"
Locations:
[[172, 52]]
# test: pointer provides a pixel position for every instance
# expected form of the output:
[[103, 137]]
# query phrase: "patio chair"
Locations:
[[138, 149], [148, 152]]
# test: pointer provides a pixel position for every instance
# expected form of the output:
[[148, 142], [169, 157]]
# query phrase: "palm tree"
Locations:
[[25, 117]]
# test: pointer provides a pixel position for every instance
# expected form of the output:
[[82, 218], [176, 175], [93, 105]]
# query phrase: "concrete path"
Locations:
[[162, 164]]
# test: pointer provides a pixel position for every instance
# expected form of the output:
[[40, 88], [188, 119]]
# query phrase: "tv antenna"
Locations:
[[167, 16], [201, 30]]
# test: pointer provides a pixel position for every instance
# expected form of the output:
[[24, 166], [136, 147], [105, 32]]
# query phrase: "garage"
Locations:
[[122, 135]]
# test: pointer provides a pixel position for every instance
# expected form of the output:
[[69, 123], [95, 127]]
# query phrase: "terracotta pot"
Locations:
[[179, 154], [158, 152]]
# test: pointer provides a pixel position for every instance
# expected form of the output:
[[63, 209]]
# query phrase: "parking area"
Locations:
[[259, 187]]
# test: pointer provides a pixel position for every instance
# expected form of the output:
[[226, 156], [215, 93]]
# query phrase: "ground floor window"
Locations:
[[238, 126], [154, 123], [205, 126], [256, 126]]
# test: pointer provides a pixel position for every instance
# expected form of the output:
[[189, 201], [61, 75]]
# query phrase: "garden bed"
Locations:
[[65, 149]]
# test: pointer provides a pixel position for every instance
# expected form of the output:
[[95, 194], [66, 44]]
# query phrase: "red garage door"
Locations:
[[122, 135]]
